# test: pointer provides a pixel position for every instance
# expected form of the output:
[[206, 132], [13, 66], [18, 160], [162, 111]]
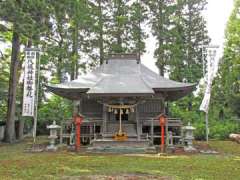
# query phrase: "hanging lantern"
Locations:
[[127, 111], [132, 110], [115, 111], [109, 109], [121, 111]]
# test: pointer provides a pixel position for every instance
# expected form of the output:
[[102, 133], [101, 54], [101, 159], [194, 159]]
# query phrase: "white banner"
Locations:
[[29, 83], [206, 100], [210, 76]]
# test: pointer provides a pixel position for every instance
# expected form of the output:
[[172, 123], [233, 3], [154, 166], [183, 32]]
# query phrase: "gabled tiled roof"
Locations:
[[122, 76]]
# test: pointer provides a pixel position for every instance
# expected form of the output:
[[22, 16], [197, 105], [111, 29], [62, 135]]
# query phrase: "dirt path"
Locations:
[[118, 177]]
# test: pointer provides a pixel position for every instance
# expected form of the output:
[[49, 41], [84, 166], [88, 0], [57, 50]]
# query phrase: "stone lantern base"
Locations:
[[52, 146], [190, 149]]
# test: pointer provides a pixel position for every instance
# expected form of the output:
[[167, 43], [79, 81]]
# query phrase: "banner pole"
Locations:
[[36, 104], [207, 128]]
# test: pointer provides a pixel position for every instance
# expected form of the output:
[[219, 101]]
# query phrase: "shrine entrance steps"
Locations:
[[108, 145], [126, 143]]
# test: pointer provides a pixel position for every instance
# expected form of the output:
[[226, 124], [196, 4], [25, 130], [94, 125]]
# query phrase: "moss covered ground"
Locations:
[[15, 163]]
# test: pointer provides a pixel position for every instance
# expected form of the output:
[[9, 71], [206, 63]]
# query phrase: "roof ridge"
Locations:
[[146, 83], [101, 79]]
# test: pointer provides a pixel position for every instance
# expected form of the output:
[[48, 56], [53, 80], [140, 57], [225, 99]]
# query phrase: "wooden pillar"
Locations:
[[80, 106], [61, 134], [152, 130], [104, 125], [139, 126], [75, 107], [182, 137], [94, 131], [91, 131], [163, 105], [166, 132]]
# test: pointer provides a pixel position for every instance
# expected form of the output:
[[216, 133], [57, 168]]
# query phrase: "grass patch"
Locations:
[[227, 147], [16, 164]]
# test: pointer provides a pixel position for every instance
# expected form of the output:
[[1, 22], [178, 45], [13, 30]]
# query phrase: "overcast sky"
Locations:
[[216, 14]]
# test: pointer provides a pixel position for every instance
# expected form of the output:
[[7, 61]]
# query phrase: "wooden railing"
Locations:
[[91, 123], [171, 122]]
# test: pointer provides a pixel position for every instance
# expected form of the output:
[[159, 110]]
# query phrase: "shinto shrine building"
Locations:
[[121, 100]]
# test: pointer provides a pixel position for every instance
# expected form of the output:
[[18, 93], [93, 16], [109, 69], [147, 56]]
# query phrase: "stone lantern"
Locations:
[[53, 136], [188, 137]]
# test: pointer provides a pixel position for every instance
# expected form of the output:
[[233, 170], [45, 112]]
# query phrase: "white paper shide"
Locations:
[[29, 83]]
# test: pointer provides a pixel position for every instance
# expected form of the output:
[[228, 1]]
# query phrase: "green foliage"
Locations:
[[200, 132], [219, 129], [28, 18], [181, 110], [180, 31], [234, 103], [55, 109], [160, 15], [194, 35], [226, 89], [137, 16], [4, 77]]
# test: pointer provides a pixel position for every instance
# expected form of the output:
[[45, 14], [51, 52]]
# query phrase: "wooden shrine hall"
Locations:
[[120, 102]]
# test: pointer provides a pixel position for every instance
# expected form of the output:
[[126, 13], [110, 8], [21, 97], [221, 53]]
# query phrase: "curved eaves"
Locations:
[[69, 93], [175, 93]]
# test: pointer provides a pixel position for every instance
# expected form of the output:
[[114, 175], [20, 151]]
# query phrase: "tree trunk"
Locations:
[[161, 63], [190, 105], [74, 70], [101, 47], [19, 133], [10, 122], [20, 129], [119, 28], [221, 115], [161, 70], [59, 69]]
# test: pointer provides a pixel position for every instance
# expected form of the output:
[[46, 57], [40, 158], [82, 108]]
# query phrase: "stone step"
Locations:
[[127, 143], [122, 150]]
